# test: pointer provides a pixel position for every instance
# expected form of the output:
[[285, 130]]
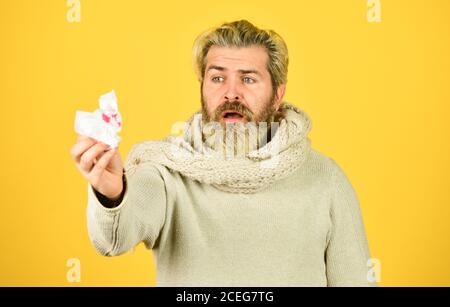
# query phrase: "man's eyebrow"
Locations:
[[249, 71], [216, 68], [241, 71]]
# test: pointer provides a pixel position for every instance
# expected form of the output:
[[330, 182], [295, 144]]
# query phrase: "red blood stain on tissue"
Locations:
[[106, 118]]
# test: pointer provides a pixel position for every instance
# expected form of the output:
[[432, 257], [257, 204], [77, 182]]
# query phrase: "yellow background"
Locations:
[[378, 95]]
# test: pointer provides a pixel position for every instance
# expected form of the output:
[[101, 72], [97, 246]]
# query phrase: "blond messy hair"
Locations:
[[243, 34]]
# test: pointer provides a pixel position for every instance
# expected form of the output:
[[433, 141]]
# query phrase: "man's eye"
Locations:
[[248, 80], [217, 79]]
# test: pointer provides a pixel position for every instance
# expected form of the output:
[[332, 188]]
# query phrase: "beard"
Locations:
[[267, 113], [239, 138]]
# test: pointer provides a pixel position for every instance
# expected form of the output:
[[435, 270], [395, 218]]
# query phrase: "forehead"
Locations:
[[252, 57]]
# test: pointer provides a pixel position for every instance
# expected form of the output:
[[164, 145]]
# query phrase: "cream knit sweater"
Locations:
[[303, 230]]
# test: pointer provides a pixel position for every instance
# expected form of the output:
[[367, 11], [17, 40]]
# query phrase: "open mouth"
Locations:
[[232, 116]]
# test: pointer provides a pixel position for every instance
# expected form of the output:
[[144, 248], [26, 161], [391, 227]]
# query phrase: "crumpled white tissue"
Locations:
[[103, 124]]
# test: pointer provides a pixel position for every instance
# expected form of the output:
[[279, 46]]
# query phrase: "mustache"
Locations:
[[235, 105]]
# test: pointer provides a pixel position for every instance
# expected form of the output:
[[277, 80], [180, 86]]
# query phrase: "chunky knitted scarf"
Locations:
[[193, 157]]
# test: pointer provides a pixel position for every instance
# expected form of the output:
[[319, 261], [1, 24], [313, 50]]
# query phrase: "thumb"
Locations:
[[102, 163], [115, 163]]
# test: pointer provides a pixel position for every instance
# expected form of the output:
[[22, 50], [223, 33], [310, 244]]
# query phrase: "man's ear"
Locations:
[[279, 95]]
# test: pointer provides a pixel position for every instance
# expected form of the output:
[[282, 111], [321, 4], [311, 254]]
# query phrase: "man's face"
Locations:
[[237, 86]]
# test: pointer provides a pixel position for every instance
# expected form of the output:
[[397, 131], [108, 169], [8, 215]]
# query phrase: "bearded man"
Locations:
[[240, 198]]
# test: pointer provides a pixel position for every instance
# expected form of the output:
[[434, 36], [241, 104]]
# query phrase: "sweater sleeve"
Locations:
[[138, 218], [347, 250]]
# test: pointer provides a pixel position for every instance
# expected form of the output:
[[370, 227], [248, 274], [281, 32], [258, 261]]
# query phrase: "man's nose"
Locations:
[[233, 91]]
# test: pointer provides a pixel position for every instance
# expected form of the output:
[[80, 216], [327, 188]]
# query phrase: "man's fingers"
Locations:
[[87, 159], [102, 163], [80, 147]]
